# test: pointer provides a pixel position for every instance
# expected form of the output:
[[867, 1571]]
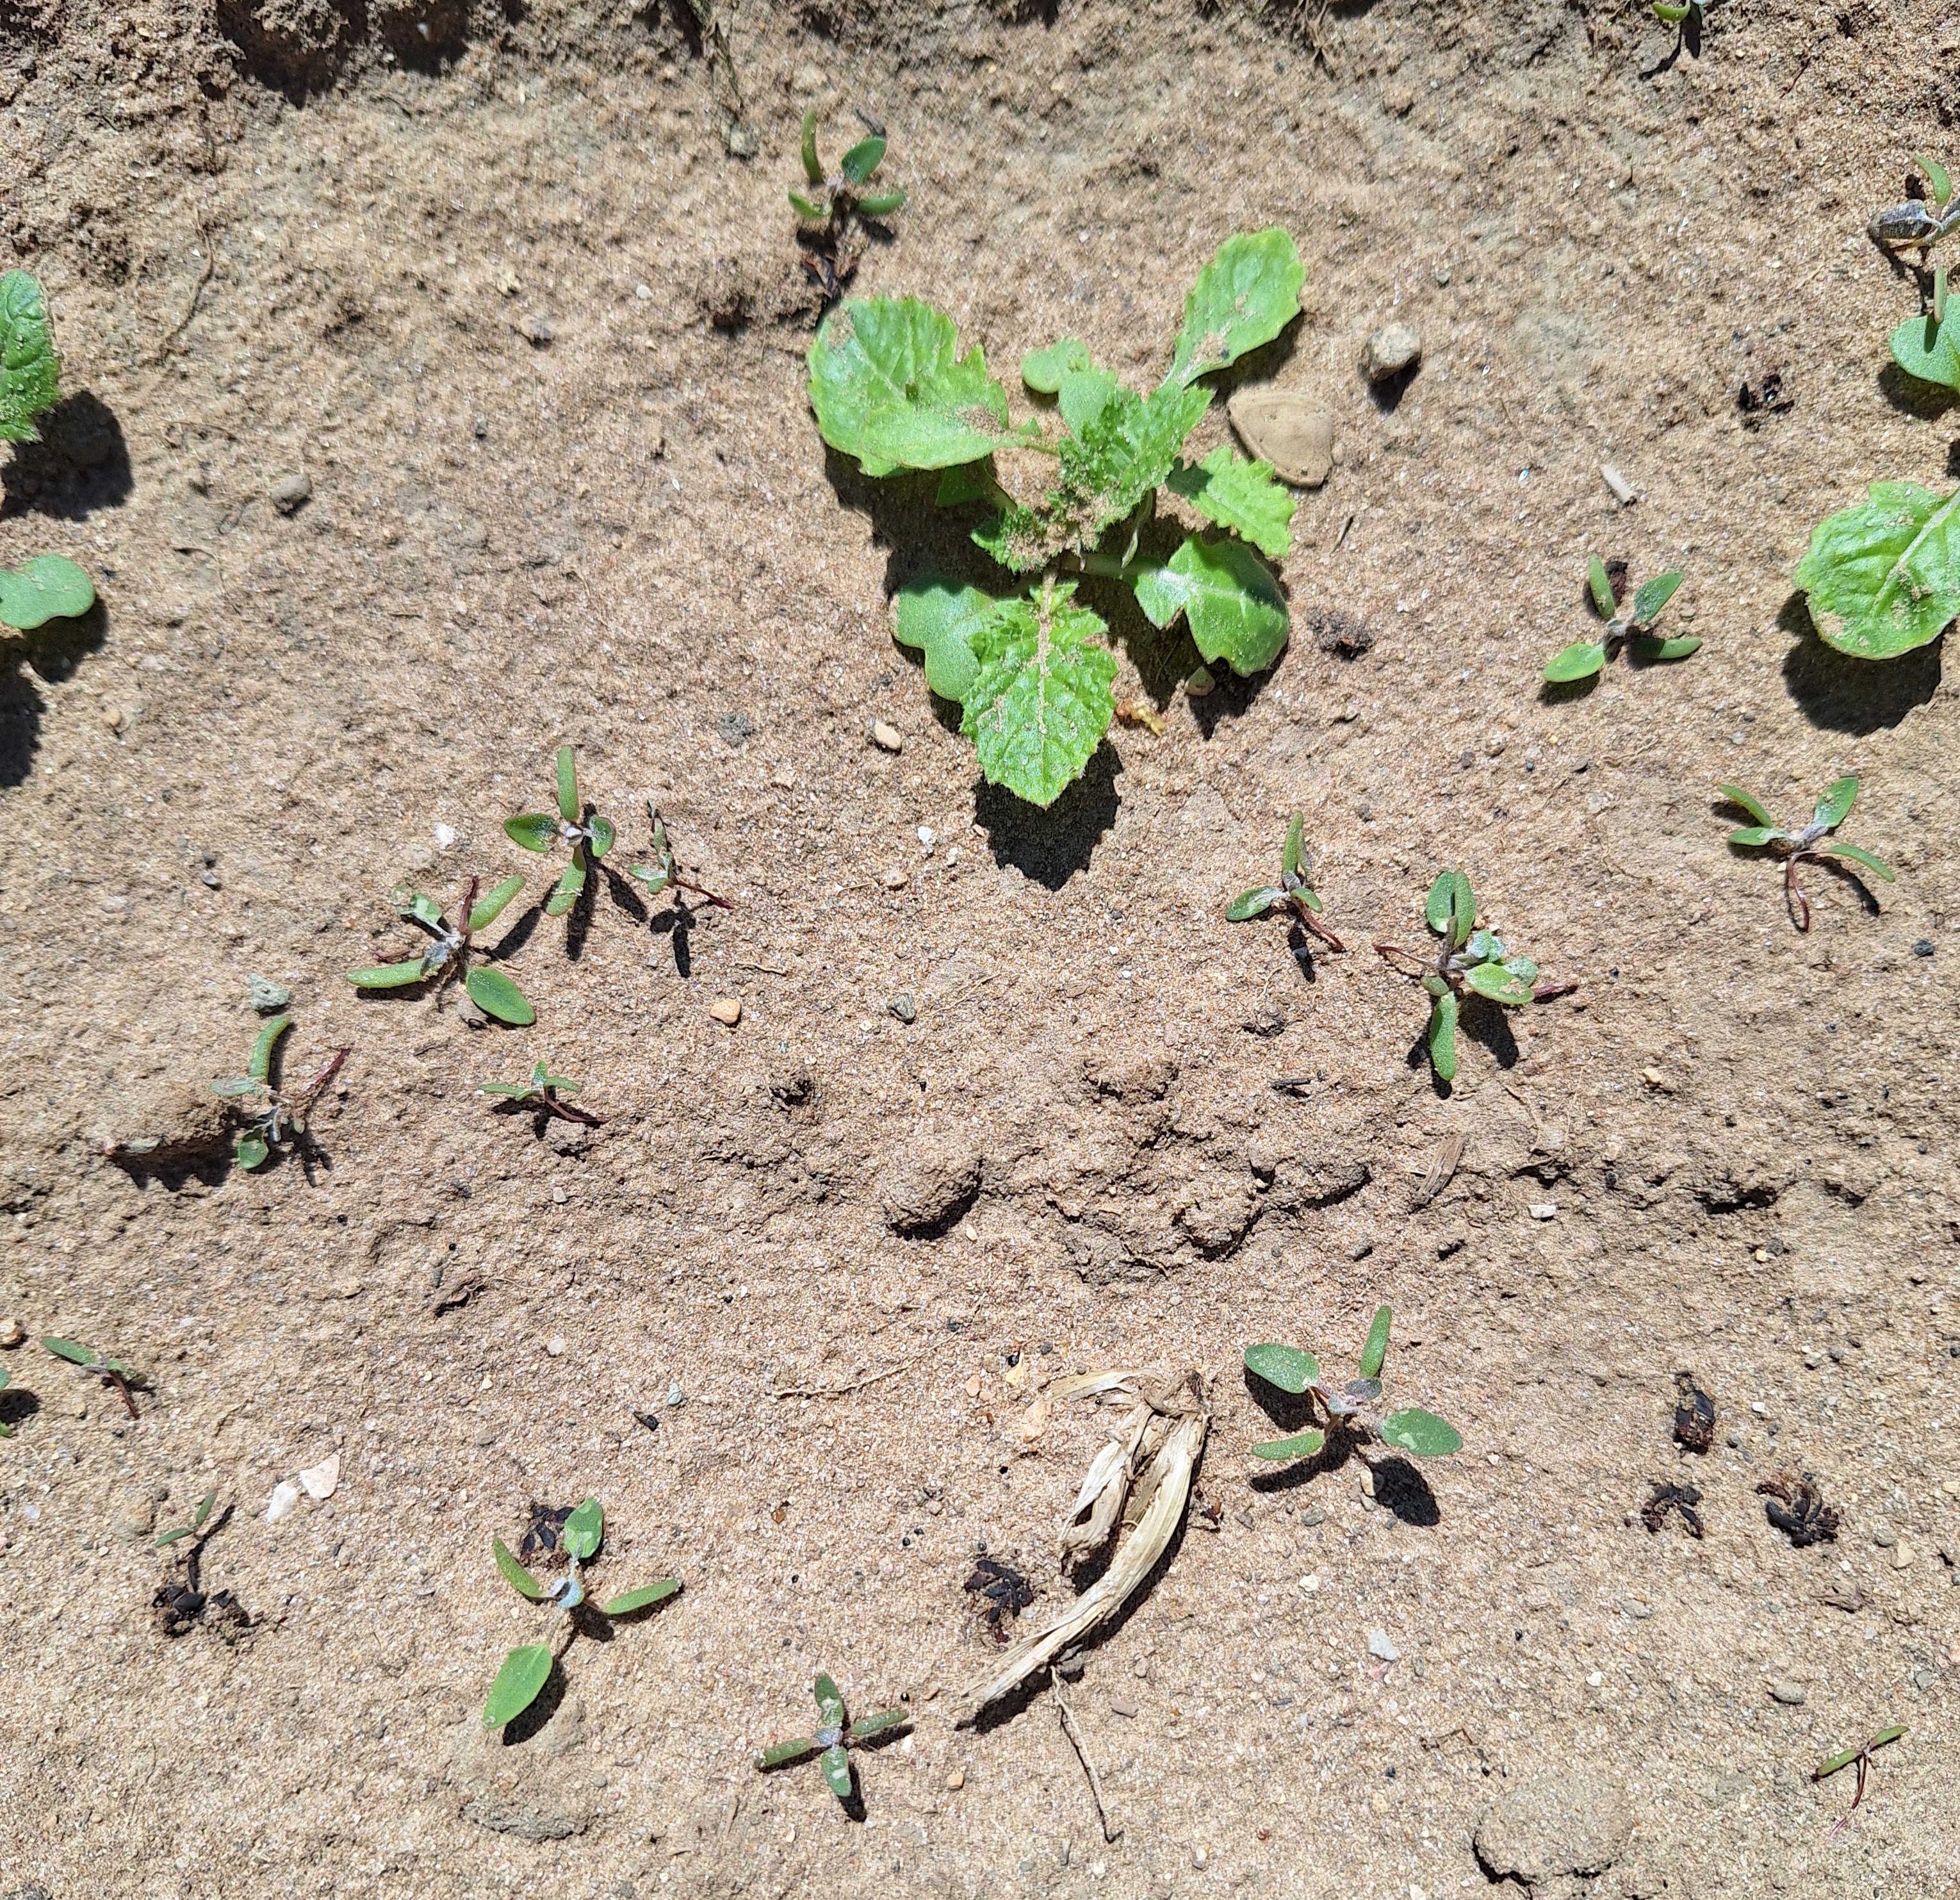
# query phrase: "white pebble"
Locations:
[[285, 1499]]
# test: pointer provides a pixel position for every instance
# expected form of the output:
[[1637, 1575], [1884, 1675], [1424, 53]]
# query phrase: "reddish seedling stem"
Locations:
[[1315, 926]]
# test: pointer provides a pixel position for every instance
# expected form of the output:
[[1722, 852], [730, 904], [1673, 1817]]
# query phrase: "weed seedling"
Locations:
[[1294, 893], [834, 1736], [1031, 672], [45, 586], [180, 1602], [540, 1096], [662, 874], [490, 990], [584, 830], [526, 1671], [281, 1114], [1862, 1756], [1689, 17], [834, 209], [1911, 226], [113, 1372], [1351, 1411], [1467, 957], [1810, 844], [195, 1526], [1631, 626]]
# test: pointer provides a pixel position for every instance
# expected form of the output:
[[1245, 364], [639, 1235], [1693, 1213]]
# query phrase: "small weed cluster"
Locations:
[[44, 587]]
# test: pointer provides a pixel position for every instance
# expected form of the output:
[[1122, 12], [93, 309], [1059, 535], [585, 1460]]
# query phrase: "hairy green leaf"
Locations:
[[628, 1601], [43, 588], [251, 1151], [495, 994], [1749, 802], [829, 1702], [520, 1578], [1884, 578], [1253, 903], [1375, 1349], [518, 1684], [29, 370], [863, 159], [1286, 1366], [1499, 984], [888, 388], [571, 882], [1421, 1433], [388, 976], [1244, 297], [1017, 538], [584, 1529], [1876, 866], [1835, 806], [1443, 1036], [779, 1753], [1441, 905], [1228, 597], [1654, 595], [885, 1719], [1580, 660], [1040, 700], [1043, 369], [1241, 495], [1084, 395], [939, 618], [490, 907], [837, 1771], [1462, 910], [1928, 347], [1601, 587], [1301, 1445], [1123, 453]]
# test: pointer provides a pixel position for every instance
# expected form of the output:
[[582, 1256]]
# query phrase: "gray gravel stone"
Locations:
[[1392, 349], [1790, 1695]]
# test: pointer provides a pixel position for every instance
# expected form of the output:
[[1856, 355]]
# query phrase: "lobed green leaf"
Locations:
[[495, 994], [1884, 578], [1376, 1349], [1040, 700], [1228, 597], [939, 617], [1084, 395], [29, 370], [43, 588], [628, 1601], [1421, 1433], [1301, 1445], [1244, 298], [1580, 660], [1240, 496], [518, 1684], [1287, 1367], [1123, 453]]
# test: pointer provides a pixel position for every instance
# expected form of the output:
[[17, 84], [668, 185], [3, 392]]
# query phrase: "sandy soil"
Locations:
[[279, 252]]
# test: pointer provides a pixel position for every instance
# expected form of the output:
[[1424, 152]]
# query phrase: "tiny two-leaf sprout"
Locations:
[[540, 1097], [526, 1670], [584, 832], [1630, 625], [1352, 1410], [44, 587], [1294, 893], [1862, 1755], [273, 1115], [834, 1736], [663, 874], [1813, 842], [195, 1527], [114, 1372], [490, 990], [833, 209], [1466, 958]]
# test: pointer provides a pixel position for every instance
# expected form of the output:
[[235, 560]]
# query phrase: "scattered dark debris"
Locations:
[[1336, 632], [1618, 575], [1206, 1513], [1666, 1497], [1694, 1414], [1768, 397], [1002, 1592], [179, 1607], [1797, 1507], [542, 1533], [650, 1420], [1293, 1085]]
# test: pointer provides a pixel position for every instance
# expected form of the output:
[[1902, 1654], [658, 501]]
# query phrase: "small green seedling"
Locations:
[[490, 990], [113, 1372], [839, 205], [540, 1096], [834, 1736], [662, 874], [1814, 841], [1351, 1410], [282, 1115], [1926, 346], [526, 1671], [1689, 16], [1294, 893], [1631, 625], [1911, 226], [1466, 958], [45, 586], [195, 1527], [585, 831], [1844, 1759]]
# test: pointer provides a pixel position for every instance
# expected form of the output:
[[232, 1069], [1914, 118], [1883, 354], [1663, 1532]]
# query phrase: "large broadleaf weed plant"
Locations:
[[44, 587], [1030, 670]]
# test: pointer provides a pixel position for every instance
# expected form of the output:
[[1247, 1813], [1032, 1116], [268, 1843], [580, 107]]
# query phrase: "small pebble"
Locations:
[[1789, 1695], [1734, 1437], [1543, 1211], [957, 1779], [285, 1498], [1903, 1555], [111, 717], [12, 1334], [1885, 1537], [1381, 1648], [1361, 1249], [267, 997], [675, 1395], [536, 329], [1635, 1608], [1122, 1705], [903, 1007], [1623, 489], [886, 738], [290, 491], [445, 836], [1309, 1586], [894, 879], [555, 1345], [1923, 947], [927, 836], [726, 1009], [1391, 349]]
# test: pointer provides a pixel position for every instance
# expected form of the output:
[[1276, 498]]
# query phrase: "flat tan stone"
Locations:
[[1290, 431]]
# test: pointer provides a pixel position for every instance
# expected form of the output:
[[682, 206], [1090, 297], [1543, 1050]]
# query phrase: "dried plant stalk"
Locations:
[[1147, 1467]]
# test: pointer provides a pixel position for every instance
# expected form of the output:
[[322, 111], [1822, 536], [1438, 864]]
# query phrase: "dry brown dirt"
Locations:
[[296, 236]]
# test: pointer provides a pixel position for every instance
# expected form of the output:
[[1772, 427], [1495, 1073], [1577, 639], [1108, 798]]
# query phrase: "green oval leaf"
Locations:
[[568, 786], [388, 976], [1443, 1036], [1499, 984], [779, 1753], [1648, 647], [1753, 834], [1286, 1367], [1654, 595], [939, 617], [518, 1684], [1084, 395], [1421, 1433], [829, 1700], [1289, 852], [812, 167], [837, 1771], [584, 1530], [1241, 495], [1884, 578], [1929, 348], [1228, 596], [1244, 298], [863, 159], [492, 906], [809, 208], [888, 388], [885, 1720], [1580, 660], [882, 205], [1835, 806], [534, 830], [626, 1604], [495, 994], [1043, 369], [1253, 903], [600, 841], [175, 1536], [1876, 866], [520, 1578], [1749, 802], [571, 882], [1601, 588], [29, 370], [72, 1351], [251, 1152], [43, 588], [1301, 1445], [1040, 700], [1376, 1348]]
